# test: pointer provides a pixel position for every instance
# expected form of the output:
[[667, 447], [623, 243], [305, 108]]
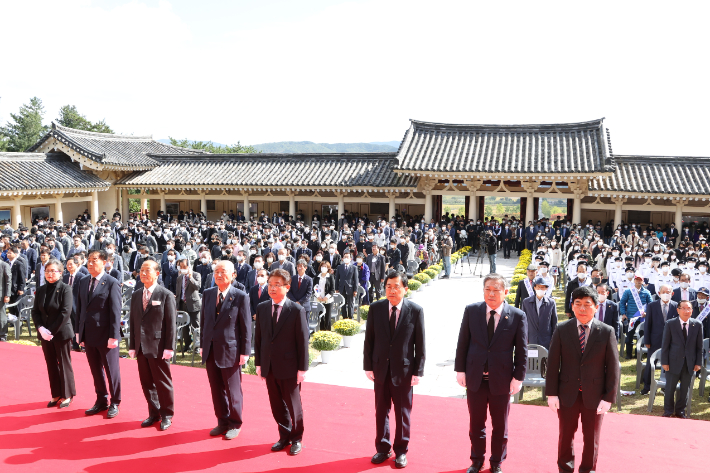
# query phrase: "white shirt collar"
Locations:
[[152, 288], [280, 304], [98, 278], [224, 293]]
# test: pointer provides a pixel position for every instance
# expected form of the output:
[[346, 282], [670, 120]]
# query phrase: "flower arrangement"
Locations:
[[346, 327], [364, 312], [326, 341], [414, 285], [422, 278]]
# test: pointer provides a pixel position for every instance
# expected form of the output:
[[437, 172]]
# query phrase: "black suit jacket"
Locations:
[[302, 295], [611, 316], [692, 294], [654, 323], [255, 300], [18, 276], [154, 329], [243, 271], [282, 350], [227, 333], [5, 281], [170, 274], [597, 370], [675, 350], [75, 291], [507, 354], [346, 279], [696, 313], [522, 293], [99, 317], [403, 352], [377, 266], [57, 316]]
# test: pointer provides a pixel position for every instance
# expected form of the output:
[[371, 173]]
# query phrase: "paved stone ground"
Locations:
[[443, 302]]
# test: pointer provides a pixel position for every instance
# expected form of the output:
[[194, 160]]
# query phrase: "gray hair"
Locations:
[[54, 262], [665, 285], [496, 277]]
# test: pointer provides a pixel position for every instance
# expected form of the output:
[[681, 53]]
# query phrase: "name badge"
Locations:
[[154, 302]]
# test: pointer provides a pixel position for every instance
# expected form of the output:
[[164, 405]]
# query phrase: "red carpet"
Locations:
[[339, 425]]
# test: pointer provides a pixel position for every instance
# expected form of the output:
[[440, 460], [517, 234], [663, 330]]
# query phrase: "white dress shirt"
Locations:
[[397, 313]]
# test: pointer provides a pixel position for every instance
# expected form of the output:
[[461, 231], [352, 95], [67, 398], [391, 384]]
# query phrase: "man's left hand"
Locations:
[[167, 354], [697, 368], [415, 380], [301, 376], [515, 386], [112, 343], [243, 359], [603, 407]]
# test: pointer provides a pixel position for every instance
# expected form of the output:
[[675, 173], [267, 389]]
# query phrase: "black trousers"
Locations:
[[102, 359], [386, 395], [325, 321], [227, 395], [682, 401], [499, 406], [347, 310], [591, 428], [374, 290], [57, 355], [157, 384], [506, 249], [285, 399]]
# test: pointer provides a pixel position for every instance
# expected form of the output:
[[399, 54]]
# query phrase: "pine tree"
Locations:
[[25, 129]]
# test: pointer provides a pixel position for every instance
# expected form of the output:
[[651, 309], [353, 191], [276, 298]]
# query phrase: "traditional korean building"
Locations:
[[68, 171]]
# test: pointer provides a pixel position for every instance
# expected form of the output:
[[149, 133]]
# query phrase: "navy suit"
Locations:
[[681, 356], [75, 296], [250, 280], [255, 300], [506, 355], [653, 331], [243, 271], [346, 284], [303, 294], [611, 317], [225, 335], [542, 324], [692, 294], [99, 318], [170, 273]]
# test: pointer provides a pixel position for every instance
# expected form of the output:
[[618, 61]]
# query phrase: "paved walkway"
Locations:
[[443, 302]]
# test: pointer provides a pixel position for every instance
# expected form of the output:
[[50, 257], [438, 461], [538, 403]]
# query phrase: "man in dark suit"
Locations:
[[5, 291], [281, 358], [30, 255], [525, 288], [18, 276], [259, 293], [684, 292], [376, 263], [681, 357], [582, 378], [608, 311], [152, 340], [346, 284], [541, 313], [99, 331], [491, 361], [252, 275], [530, 233], [582, 279], [72, 277], [658, 313], [302, 287], [188, 297], [393, 357], [226, 344], [170, 272], [242, 268], [282, 263], [506, 236]]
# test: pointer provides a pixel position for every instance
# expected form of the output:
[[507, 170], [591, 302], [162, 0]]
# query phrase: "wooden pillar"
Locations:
[[16, 212], [246, 205], [617, 210], [292, 204], [203, 204], [577, 209], [523, 210], [341, 207], [58, 213], [467, 205], [391, 208], [570, 209], [481, 207], [125, 205], [163, 204], [529, 208], [536, 207], [678, 219], [95, 205]]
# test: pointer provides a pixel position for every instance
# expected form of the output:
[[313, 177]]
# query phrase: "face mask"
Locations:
[[382, 252], [261, 280], [205, 260], [596, 280], [214, 266], [684, 285], [269, 260], [258, 265], [331, 251], [324, 269], [582, 276], [171, 258], [543, 270], [648, 260], [539, 293], [183, 271], [665, 297], [702, 300], [702, 269], [188, 247], [346, 260], [665, 269], [282, 257], [629, 276]]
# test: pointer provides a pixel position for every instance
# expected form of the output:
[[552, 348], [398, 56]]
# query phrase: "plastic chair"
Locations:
[[182, 321], [400, 268], [125, 326], [640, 365], [356, 303], [535, 374], [706, 366], [338, 303], [127, 294], [412, 268], [622, 344], [661, 383], [316, 314], [195, 332], [24, 309]]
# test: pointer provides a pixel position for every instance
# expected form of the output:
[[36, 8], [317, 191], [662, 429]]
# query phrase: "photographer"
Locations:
[[491, 244], [447, 245]]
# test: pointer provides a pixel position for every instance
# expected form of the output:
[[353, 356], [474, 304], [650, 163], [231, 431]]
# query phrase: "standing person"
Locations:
[[447, 244], [72, 277], [323, 288], [583, 349], [18, 278], [681, 357], [153, 320], [491, 361], [492, 250], [658, 314], [302, 287], [99, 330], [225, 338], [281, 358], [393, 358], [5, 291], [376, 263], [541, 313], [346, 284], [188, 297], [51, 315]]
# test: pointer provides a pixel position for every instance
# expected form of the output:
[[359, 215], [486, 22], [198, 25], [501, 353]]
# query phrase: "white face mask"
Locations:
[[331, 251], [543, 270], [188, 247], [319, 258], [665, 297], [539, 293], [258, 265], [359, 260], [205, 260], [214, 266], [261, 280], [602, 298], [684, 285], [324, 269], [109, 251], [171, 258], [582, 276], [282, 257], [629, 276], [183, 271], [702, 269], [346, 260], [702, 300]]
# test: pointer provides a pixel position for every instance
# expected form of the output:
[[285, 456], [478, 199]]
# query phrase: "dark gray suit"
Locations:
[[653, 331], [189, 302], [540, 325], [346, 284], [681, 356], [5, 288]]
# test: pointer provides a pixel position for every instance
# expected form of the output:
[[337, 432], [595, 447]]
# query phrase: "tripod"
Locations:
[[478, 264], [460, 261]]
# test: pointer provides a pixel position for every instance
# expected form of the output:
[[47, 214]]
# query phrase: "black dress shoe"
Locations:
[[496, 469], [165, 423], [219, 430], [95, 409], [380, 457], [296, 448], [150, 421], [280, 445], [112, 411], [401, 461], [645, 391], [52, 403], [475, 468]]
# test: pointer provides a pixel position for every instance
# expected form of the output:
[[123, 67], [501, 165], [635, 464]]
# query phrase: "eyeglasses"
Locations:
[[276, 286], [53, 272]]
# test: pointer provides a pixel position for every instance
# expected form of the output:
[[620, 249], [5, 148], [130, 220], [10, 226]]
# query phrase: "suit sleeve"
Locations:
[[463, 344], [666, 345], [244, 321], [307, 295], [419, 345], [23, 277], [115, 308], [553, 366], [257, 341], [7, 280], [553, 319], [520, 359], [518, 297], [36, 315], [369, 342], [699, 347], [78, 306], [336, 280], [64, 308], [302, 335], [131, 326], [202, 324], [612, 369], [170, 323]]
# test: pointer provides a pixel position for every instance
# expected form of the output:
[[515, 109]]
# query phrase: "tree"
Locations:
[[210, 147], [70, 117], [545, 208], [25, 129]]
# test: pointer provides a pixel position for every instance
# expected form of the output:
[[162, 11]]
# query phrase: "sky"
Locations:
[[356, 71]]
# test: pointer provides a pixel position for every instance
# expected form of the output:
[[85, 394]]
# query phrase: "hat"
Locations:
[[532, 267], [538, 281], [704, 290], [543, 263], [638, 275], [421, 247]]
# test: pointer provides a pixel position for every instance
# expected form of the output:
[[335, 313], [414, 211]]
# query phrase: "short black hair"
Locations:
[[397, 274], [102, 254], [584, 292]]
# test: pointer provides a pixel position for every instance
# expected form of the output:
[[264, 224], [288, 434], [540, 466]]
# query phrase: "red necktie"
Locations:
[[259, 292], [299, 282]]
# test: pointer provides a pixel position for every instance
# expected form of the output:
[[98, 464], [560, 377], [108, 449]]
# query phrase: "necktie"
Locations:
[[259, 292], [91, 287], [601, 312], [220, 299], [582, 336], [71, 280], [146, 298], [275, 316], [299, 282], [393, 321], [491, 331], [685, 331], [184, 290], [685, 295], [665, 312]]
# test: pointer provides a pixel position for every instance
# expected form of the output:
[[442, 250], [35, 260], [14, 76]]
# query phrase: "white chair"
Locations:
[[706, 366], [182, 321], [535, 374]]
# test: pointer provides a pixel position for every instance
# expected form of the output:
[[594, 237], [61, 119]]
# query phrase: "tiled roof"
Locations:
[[30, 171], [558, 148], [266, 169], [119, 151], [656, 175]]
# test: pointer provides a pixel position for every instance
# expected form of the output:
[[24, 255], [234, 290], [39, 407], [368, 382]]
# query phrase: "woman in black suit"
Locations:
[[324, 286], [51, 315]]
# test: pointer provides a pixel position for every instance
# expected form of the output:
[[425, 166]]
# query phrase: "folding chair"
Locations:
[[535, 374], [661, 383]]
